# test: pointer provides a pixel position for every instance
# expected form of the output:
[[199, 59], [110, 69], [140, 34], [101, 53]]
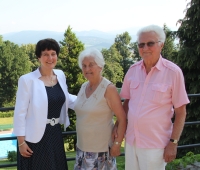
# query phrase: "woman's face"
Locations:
[[90, 69], [48, 59]]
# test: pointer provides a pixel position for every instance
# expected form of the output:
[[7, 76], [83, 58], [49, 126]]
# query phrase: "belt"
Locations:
[[53, 121]]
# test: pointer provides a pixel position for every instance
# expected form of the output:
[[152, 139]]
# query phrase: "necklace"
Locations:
[[52, 82], [91, 88]]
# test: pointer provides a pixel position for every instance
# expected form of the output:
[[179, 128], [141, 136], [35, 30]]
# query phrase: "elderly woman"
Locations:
[[96, 102], [41, 106]]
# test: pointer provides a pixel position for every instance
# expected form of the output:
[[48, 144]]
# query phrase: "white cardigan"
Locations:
[[31, 108]]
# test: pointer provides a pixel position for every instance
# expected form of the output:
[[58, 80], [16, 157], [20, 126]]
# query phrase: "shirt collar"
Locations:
[[159, 64], [38, 74]]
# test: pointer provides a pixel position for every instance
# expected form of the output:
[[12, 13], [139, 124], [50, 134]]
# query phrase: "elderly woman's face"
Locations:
[[90, 68], [48, 59], [149, 46]]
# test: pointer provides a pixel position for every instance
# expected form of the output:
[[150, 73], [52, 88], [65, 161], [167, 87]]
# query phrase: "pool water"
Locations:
[[7, 145]]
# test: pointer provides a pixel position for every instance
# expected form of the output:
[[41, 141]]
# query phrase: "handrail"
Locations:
[[6, 108], [12, 108]]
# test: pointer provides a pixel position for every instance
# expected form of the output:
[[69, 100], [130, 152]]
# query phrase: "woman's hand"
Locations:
[[115, 150], [25, 151]]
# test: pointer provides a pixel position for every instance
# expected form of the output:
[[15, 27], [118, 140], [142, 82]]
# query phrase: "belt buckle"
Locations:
[[52, 121]]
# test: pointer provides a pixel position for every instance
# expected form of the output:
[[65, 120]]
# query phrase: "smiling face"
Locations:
[[150, 52], [48, 59], [90, 69]]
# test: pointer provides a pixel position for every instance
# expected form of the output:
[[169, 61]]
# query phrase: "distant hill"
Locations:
[[31, 37], [93, 38]]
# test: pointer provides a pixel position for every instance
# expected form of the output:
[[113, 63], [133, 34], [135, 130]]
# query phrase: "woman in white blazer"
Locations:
[[42, 102]]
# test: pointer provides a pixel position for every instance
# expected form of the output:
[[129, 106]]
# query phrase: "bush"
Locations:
[[12, 156], [189, 159], [6, 114]]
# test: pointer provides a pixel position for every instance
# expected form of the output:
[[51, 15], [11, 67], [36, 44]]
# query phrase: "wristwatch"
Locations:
[[117, 143], [174, 141]]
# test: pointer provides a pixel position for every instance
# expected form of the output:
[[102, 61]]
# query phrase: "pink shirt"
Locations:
[[152, 97]]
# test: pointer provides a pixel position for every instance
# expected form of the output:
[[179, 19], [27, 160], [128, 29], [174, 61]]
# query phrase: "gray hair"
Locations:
[[153, 28], [91, 52]]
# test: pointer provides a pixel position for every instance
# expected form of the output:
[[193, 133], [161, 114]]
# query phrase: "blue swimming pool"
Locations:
[[7, 145]]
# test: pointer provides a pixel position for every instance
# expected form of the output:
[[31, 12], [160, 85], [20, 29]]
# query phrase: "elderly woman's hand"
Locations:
[[115, 150]]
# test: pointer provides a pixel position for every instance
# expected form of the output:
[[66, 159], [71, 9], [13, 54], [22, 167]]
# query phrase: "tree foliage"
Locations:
[[169, 46], [68, 62], [112, 69], [29, 49], [188, 59], [13, 63], [134, 48], [1, 40], [122, 42]]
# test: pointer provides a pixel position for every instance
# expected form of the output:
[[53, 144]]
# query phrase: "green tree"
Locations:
[[1, 40], [188, 59], [134, 48], [112, 69], [169, 46], [68, 62], [122, 42], [13, 63], [29, 49]]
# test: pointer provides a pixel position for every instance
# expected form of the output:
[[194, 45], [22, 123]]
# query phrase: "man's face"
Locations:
[[149, 46]]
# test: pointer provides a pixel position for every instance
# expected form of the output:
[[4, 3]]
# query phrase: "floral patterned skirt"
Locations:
[[94, 161]]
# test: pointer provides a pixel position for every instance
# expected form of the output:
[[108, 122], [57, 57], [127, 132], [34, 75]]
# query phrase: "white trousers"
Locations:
[[143, 159]]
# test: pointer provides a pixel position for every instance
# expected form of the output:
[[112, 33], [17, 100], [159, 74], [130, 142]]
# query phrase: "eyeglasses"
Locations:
[[149, 44]]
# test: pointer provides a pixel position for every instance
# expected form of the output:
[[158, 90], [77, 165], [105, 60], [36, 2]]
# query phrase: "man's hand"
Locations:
[[170, 152], [114, 132]]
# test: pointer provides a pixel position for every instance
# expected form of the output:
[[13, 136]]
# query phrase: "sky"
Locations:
[[85, 15]]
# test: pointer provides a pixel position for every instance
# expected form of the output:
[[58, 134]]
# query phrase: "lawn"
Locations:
[[7, 120], [6, 123], [7, 162]]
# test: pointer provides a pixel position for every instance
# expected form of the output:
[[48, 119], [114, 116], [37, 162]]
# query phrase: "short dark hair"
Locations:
[[46, 44]]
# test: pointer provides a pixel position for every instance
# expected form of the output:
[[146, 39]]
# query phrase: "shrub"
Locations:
[[12, 156], [181, 163], [6, 114]]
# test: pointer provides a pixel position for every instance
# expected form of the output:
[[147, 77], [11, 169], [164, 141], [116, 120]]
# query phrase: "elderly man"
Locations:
[[153, 90]]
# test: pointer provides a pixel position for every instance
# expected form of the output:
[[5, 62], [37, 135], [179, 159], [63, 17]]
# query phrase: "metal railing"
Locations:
[[74, 133]]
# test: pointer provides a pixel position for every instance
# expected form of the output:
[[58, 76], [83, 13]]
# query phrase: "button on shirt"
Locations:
[[151, 100]]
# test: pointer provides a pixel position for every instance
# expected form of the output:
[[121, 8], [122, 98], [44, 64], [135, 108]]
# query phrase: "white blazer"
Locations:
[[31, 108]]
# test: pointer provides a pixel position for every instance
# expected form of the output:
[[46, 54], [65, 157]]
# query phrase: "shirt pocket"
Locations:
[[159, 92], [134, 89]]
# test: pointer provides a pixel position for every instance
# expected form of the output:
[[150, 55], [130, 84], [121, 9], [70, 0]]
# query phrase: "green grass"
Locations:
[[70, 164], [7, 120], [5, 161], [6, 123]]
